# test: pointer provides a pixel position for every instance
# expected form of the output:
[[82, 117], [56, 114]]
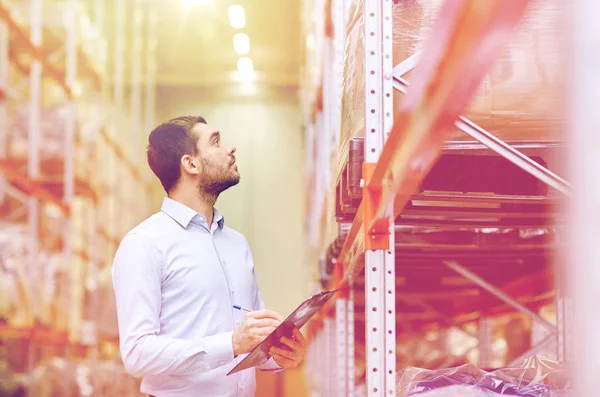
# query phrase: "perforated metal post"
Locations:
[[35, 85], [3, 108], [330, 358], [341, 324], [117, 181], [137, 146], [350, 377], [379, 263], [338, 9], [150, 90], [71, 44], [485, 342]]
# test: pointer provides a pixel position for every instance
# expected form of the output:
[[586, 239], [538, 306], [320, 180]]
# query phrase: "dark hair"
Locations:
[[169, 142]]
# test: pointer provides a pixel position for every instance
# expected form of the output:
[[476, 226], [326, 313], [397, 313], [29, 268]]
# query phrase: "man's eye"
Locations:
[[217, 141]]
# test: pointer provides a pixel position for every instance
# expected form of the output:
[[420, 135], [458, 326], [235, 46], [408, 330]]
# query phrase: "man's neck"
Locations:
[[202, 203]]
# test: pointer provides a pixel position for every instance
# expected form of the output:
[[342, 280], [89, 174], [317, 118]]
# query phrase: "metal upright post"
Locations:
[[350, 377], [150, 94], [151, 48], [118, 103], [485, 342], [136, 144], [341, 338], [35, 86], [101, 46], [379, 257], [95, 213], [583, 259], [329, 362], [4, 59], [74, 321], [339, 47]]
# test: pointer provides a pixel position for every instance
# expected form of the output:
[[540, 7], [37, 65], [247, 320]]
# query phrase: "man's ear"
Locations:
[[190, 164]]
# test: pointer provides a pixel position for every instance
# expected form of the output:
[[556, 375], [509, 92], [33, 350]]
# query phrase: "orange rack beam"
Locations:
[[59, 77], [463, 45]]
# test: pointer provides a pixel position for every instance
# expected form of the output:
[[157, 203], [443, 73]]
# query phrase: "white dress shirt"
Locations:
[[176, 281]]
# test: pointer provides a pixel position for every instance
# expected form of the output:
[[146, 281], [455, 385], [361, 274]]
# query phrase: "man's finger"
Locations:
[[292, 355], [265, 322], [299, 337], [294, 345], [265, 314], [284, 362], [265, 331]]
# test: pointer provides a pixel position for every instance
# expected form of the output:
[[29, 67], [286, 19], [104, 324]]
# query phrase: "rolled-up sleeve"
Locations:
[[137, 277]]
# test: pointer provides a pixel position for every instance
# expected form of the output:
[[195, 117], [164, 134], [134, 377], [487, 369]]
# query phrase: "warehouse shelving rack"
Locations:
[[94, 187], [397, 156]]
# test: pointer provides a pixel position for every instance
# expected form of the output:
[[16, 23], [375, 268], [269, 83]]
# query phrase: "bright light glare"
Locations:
[[237, 17], [245, 69], [189, 4], [310, 42], [241, 43]]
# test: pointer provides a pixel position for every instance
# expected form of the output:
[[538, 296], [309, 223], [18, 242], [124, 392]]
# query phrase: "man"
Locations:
[[179, 273]]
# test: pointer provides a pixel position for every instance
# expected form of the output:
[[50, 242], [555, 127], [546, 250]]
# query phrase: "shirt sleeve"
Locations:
[[137, 277], [259, 304]]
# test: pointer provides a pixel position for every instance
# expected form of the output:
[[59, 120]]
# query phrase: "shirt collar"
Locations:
[[184, 214]]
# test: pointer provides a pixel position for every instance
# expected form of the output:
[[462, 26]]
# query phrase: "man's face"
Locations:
[[218, 170]]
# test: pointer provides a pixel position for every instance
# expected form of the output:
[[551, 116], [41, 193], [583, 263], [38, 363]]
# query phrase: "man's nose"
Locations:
[[232, 150]]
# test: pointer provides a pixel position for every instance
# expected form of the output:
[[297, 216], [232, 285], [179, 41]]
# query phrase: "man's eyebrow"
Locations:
[[215, 134]]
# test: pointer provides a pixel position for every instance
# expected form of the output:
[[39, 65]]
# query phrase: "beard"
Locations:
[[215, 180]]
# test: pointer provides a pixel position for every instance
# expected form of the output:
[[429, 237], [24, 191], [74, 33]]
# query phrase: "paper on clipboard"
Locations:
[[299, 317]]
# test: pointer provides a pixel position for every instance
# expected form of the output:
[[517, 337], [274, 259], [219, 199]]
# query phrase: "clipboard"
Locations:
[[260, 354]]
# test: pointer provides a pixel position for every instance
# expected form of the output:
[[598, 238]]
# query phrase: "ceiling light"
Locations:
[[245, 65], [237, 17], [191, 3], [241, 43], [310, 42], [245, 69]]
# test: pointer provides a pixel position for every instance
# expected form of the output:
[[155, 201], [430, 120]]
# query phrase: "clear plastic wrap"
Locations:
[[517, 100], [535, 377]]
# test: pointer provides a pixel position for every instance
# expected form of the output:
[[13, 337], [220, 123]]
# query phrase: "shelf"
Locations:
[[20, 42], [441, 89], [32, 187], [44, 336]]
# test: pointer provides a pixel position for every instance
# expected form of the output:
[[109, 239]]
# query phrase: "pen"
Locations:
[[241, 308]]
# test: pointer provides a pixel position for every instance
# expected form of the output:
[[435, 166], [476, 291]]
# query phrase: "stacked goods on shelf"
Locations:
[[475, 241], [535, 377], [66, 151], [54, 375], [519, 98], [494, 225]]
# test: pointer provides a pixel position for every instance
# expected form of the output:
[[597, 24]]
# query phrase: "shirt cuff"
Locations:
[[219, 349]]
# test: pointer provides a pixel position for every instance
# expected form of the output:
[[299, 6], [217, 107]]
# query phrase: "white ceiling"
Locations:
[[195, 41]]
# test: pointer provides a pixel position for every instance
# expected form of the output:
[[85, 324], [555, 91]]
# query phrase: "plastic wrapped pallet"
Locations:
[[536, 377], [517, 100]]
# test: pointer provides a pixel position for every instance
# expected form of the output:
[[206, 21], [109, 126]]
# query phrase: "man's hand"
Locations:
[[255, 327], [292, 356]]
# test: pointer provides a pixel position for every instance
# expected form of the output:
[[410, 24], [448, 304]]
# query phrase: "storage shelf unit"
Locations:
[[77, 98], [392, 259]]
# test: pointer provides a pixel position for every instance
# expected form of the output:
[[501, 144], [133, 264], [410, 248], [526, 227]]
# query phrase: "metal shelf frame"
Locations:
[[397, 157], [102, 210]]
